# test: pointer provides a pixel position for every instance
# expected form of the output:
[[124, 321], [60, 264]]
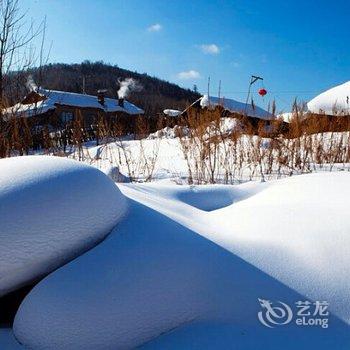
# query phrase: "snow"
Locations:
[[286, 116], [29, 110], [172, 112], [226, 125], [54, 98], [235, 106], [178, 272], [81, 100], [222, 335], [204, 101], [167, 132], [52, 210], [334, 101], [165, 147], [8, 341], [114, 173]]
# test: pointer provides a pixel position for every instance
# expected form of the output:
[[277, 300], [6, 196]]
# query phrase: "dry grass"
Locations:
[[213, 153], [257, 151]]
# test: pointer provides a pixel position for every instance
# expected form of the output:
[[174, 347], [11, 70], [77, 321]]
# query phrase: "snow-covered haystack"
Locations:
[[51, 210], [173, 271], [335, 101]]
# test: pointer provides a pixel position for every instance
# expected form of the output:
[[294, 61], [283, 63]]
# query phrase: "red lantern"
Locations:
[[262, 92]]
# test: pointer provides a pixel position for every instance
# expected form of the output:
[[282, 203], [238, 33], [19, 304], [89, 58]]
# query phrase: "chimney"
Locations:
[[121, 102], [101, 96]]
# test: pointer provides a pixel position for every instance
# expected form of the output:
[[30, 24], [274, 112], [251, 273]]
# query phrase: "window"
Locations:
[[66, 117]]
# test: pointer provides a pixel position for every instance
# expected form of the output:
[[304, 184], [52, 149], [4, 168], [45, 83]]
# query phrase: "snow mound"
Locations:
[[335, 101], [115, 175], [172, 112], [52, 209], [169, 133], [227, 125], [179, 274]]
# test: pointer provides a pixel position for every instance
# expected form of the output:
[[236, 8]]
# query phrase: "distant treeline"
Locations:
[[155, 96]]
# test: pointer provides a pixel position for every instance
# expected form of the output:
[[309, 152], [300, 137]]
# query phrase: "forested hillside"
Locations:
[[154, 95]]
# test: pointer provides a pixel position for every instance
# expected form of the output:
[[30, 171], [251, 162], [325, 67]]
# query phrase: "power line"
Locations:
[[274, 92]]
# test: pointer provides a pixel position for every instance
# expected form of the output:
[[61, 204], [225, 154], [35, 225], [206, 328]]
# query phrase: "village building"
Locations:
[[63, 118], [252, 118], [250, 110], [58, 108]]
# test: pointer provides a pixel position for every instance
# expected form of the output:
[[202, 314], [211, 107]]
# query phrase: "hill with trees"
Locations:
[[154, 95]]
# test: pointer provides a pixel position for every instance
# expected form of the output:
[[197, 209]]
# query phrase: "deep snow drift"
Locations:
[[51, 210], [333, 101], [174, 276]]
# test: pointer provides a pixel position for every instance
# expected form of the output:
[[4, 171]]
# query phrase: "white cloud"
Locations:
[[189, 75], [155, 27], [211, 49]]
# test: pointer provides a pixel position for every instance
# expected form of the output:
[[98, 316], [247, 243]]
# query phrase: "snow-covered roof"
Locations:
[[235, 106], [335, 101], [54, 98]]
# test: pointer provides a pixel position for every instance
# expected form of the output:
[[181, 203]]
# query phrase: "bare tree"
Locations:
[[16, 35]]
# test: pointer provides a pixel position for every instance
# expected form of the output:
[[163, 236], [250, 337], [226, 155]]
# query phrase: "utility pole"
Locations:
[[84, 85], [253, 79], [209, 90]]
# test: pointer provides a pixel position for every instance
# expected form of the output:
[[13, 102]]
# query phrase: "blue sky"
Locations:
[[300, 47]]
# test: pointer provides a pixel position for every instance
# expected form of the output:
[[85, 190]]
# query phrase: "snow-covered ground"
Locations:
[[163, 155], [186, 267], [8, 341]]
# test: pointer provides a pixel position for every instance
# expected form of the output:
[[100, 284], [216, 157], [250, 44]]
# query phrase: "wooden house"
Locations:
[[253, 119], [57, 109]]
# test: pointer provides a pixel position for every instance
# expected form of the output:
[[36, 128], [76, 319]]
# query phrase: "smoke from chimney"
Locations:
[[31, 86], [126, 86]]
